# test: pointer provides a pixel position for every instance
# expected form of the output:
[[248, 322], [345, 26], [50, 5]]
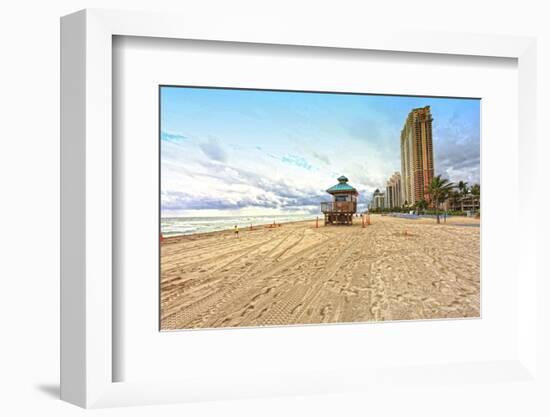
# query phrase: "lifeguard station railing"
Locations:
[[339, 207]]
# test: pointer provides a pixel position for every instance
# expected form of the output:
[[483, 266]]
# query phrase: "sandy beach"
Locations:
[[394, 269]]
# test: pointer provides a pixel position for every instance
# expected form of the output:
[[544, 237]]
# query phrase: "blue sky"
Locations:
[[244, 152]]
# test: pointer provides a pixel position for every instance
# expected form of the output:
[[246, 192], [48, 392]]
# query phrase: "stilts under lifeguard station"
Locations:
[[343, 205]]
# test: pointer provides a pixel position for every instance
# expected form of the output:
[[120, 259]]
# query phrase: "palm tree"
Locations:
[[475, 190], [421, 205], [463, 187], [439, 190]]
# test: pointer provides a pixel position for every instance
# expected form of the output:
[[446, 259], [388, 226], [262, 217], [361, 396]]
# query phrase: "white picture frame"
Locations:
[[86, 203]]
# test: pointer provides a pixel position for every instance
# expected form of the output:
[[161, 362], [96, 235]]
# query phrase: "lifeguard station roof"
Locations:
[[342, 186]]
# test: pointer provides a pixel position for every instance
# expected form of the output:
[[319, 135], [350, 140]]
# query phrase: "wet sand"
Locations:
[[394, 269]]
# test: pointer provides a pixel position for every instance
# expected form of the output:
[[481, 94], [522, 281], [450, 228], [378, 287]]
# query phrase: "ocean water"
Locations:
[[172, 226]]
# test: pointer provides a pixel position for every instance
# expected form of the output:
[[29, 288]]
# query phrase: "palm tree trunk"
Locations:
[[437, 211]]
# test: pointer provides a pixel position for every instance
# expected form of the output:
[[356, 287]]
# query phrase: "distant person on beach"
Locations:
[[236, 231]]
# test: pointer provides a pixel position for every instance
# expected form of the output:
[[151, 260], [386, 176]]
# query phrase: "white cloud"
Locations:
[[212, 148]]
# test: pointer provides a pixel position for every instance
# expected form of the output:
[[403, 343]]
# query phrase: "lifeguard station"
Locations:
[[343, 205]]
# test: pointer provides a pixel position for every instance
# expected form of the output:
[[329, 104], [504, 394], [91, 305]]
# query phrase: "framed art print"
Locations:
[[260, 224], [265, 213]]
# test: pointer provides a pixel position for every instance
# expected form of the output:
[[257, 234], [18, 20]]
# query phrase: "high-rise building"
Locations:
[[393, 191], [417, 162], [378, 200]]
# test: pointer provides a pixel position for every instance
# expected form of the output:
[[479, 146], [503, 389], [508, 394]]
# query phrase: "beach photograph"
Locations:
[[286, 208]]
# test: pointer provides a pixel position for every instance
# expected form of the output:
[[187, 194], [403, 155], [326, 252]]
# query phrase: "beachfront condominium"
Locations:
[[417, 162], [378, 200], [393, 191]]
